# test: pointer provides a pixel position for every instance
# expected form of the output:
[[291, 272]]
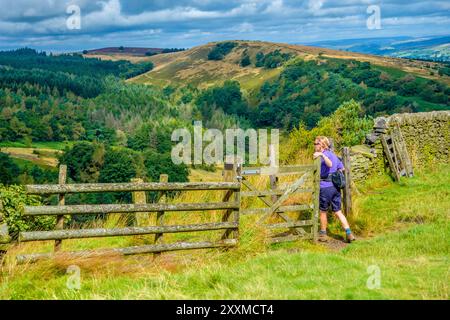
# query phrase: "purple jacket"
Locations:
[[325, 171]]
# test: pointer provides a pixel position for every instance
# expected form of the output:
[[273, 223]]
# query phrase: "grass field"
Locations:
[[42, 157], [403, 232], [55, 145]]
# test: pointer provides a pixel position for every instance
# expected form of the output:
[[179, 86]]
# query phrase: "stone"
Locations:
[[371, 138], [380, 123]]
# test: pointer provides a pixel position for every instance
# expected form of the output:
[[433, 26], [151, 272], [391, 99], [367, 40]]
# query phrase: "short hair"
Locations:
[[324, 141]]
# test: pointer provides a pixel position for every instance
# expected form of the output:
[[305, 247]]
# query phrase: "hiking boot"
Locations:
[[350, 238], [323, 237]]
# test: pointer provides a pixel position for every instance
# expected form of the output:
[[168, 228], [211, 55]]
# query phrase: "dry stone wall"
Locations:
[[426, 135]]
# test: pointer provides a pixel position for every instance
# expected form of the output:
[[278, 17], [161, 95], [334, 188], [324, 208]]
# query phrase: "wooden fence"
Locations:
[[229, 223], [274, 198], [303, 179]]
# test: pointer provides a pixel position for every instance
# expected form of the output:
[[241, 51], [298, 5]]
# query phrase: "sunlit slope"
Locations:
[[193, 67]]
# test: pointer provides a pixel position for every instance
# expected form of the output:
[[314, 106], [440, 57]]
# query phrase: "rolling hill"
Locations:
[[125, 51], [192, 66], [436, 48], [133, 54], [284, 84]]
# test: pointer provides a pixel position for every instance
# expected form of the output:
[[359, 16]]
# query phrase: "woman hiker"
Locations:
[[329, 195]]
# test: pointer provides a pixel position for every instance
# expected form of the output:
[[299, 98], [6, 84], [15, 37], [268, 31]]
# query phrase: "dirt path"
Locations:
[[335, 244]]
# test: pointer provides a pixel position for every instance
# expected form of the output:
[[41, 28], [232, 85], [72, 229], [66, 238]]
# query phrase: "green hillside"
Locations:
[[193, 66], [283, 85], [49, 100]]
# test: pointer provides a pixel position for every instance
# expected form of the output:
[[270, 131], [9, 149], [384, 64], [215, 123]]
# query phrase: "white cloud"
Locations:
[[164, 20], [275, 7], [315, 5], [244, 28]]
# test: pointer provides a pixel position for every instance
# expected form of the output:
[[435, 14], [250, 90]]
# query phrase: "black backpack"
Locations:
[[338, 179]]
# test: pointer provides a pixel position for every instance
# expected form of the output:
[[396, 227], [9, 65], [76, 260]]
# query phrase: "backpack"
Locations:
[[338, 179]]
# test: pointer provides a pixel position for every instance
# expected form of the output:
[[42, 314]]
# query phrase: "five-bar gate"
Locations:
[[282, 208], [229, 223]]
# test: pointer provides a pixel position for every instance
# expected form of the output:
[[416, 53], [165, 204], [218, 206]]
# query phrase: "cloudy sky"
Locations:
[[56, 25]]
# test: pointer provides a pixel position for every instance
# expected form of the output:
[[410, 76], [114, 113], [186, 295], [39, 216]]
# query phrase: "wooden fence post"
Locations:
[[273, 178], [5, 239], [237, 198], [4, 232], [139, 197], [229, 175], [348, 180], [163, 178], [62, 200], [316, 193]]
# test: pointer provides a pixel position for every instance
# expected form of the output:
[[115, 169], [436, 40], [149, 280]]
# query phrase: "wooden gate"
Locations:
[[276, 213], [398, 157], [229, 223]]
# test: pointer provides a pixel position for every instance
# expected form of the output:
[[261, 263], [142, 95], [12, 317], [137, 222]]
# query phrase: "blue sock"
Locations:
[[348, 231], [323, 232]]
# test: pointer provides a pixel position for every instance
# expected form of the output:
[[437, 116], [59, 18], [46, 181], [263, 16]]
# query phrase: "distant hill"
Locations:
[[128, 51], [281, 85], [193, 66], [125, 51], [436, 48]]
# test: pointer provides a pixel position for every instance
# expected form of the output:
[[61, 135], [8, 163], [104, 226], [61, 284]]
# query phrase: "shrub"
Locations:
[[221, 50], [346, 126], [227, 97], [271, 60], [8, 169], [13, 198], [83, 161], [119, 166], [245, 61], [161, 163]]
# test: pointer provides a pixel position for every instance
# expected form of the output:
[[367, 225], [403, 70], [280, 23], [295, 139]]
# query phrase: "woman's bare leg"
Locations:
[[323, 221], [343, 219]]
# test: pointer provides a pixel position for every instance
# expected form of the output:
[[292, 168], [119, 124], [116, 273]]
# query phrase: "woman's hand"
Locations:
[[327, 161], [317, 154]]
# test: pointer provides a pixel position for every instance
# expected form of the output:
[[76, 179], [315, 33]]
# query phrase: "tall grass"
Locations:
[[386, 206], [405, 225]]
